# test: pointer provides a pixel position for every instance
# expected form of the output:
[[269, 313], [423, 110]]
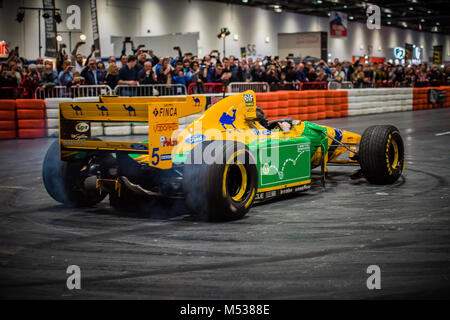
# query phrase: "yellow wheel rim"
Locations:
[[395, 161], [244, 179], [243, 187]]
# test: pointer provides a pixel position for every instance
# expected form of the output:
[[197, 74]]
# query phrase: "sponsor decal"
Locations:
[[195, 138], [226, 119], [286, 191], [165, 126], [248, 98], [266, 132], [166, 111], [302, 188], [138, 146], [196, 101], [270, 194], [82, 127], [78, 110], [78, 136], [75, 143], [131, 110], [167, 142], [165, 157], [103, 110]]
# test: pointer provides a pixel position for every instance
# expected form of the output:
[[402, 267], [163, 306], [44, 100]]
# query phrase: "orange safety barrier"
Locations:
[[30, 118], [7, 119], [31, 133], [283, 104]]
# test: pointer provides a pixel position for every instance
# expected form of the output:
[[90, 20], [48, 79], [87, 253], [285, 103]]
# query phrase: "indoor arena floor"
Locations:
[[316, 245]]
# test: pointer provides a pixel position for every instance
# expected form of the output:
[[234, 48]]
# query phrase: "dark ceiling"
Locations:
[[424, 15]]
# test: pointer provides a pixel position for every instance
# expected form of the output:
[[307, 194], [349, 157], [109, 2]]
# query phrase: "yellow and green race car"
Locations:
[[223, 162]]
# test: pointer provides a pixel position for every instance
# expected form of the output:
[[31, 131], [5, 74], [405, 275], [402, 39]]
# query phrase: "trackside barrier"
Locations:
[[244, 86], [287, 86], [30, 118], [150, 90], [206, 88], [319, 85], [334, 85], [12, 92], [8, 119], [72, 92], [33, 118]]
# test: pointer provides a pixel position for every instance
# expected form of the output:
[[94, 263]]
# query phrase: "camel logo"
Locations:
[[77, 109], [227, 119], [196, 101], [130, 110], [103, 110]]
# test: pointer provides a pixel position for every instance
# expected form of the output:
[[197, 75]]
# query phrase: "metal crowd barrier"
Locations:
[[148, 90], [244, 86], [334, 85], [285, 86], [73, 92], [12, 92], [199, 88], [319, 85]]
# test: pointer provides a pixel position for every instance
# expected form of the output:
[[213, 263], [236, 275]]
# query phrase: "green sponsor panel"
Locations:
[[282, 162]]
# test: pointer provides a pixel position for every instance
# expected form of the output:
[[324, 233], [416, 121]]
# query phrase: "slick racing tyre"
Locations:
[[65, 181], [381, 154], [222, 187]]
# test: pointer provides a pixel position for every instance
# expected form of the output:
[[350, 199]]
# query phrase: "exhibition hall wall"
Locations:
[[252, 26]]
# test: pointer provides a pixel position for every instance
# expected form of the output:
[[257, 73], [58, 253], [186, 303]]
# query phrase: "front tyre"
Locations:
[[65, 181], [381, 154], [222, 189]]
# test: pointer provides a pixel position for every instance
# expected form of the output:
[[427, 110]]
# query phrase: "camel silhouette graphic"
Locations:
[[227, 119], [197, 101], [77, 109], [103, 109], [130, 109]]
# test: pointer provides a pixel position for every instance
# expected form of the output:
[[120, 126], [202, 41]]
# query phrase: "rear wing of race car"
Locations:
[[161, 114]]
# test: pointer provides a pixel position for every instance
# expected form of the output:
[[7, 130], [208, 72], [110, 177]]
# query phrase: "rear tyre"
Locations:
[[224, 188], [381, 154], [64, 181]]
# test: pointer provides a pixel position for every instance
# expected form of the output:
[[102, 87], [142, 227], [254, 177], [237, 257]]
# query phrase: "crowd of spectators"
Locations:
[[142, 66]]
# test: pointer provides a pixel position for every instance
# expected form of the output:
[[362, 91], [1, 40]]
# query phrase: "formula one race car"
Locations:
[[228, 158]]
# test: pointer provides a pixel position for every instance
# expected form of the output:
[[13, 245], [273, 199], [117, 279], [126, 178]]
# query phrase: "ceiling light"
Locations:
[[437, 23], [351, 17], [388, 22], [57, 17], [59, 38], [345, 6], [429, 11], [244, 1], [20, 15], [224, 32], [279, 10], [329, 14], [276, 6], [411, 8], [83, 37], [388, 15], [319, 1], [422, 20]]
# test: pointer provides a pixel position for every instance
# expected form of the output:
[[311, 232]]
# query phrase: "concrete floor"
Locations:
[[316, 245]]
